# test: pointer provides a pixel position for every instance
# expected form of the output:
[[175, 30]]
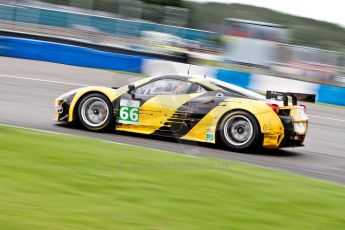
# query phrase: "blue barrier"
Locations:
[[331, 95], [67, 54], [85, 57], [241, 79]]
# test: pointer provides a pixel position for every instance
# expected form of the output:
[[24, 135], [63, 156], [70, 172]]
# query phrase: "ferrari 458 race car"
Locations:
[[188, 108]]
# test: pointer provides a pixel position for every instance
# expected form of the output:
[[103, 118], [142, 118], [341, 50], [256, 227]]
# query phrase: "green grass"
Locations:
[[52, 181]]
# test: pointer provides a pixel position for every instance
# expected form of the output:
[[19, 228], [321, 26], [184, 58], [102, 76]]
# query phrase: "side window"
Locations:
[[144, 90], [230, 91], [164, 87], [196, 88]]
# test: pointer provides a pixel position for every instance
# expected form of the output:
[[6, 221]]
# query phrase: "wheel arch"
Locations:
[[73, 113], [232, 111]]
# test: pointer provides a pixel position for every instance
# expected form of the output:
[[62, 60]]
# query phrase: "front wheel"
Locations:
[[95, 112], [239, 130]]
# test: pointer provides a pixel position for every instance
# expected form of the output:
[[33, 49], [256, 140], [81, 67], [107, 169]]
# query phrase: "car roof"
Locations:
[[212, 83], [191, 78]]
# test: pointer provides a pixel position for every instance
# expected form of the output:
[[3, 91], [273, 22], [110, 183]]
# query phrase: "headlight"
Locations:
[[69, 93], [59, 102], [59, 109], [63, 97]]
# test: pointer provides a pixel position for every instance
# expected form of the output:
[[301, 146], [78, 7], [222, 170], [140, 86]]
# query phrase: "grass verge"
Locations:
[[63, 182]]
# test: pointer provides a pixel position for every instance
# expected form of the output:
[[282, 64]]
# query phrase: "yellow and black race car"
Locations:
[[188, 108]]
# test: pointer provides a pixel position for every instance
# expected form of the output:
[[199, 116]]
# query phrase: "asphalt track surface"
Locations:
[[28, 89]]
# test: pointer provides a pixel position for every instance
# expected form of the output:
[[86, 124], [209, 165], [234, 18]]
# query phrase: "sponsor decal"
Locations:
[[267, 128], [210, 136], [129, 112]]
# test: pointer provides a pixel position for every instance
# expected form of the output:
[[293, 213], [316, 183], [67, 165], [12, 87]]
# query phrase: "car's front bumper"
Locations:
[[62, 107], [61, 110]]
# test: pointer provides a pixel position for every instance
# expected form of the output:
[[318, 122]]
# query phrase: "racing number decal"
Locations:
[[129, 112]]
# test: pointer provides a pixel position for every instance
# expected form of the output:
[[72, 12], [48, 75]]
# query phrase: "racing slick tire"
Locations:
[[239, 130], [95, 112]]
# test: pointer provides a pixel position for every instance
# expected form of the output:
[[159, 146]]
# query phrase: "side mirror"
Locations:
[[131, 89]]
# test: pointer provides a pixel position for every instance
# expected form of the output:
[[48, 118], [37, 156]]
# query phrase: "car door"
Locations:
[[156, 107]]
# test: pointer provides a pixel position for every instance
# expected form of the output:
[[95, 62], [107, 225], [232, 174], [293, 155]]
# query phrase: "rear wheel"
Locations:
[[95, 112], [239, 130]]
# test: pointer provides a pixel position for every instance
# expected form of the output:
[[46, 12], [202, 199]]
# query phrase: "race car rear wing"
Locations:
[[280, 96]]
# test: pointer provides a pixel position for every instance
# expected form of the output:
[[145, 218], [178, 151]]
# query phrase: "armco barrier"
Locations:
[[114, 26], [67, 54]]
